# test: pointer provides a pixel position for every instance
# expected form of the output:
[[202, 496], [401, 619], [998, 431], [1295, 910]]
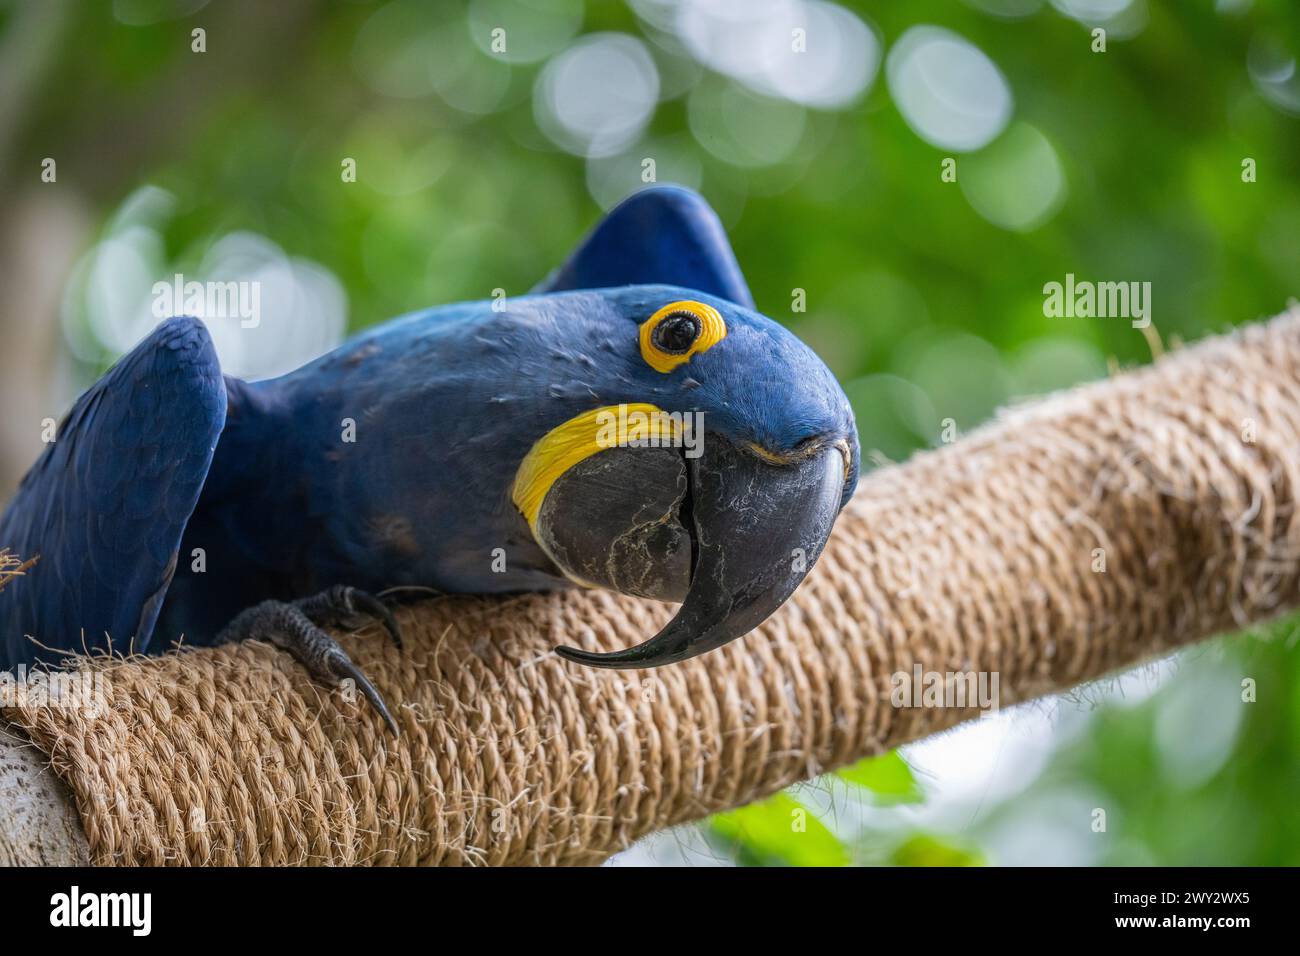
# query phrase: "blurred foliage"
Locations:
[[924, 296], [780, 830], [887, 779], [926, 850], [1195, 775]]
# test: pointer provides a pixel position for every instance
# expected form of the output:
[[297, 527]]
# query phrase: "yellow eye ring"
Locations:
[[662, 352]]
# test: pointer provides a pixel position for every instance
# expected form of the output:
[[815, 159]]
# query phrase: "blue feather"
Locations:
[[662, 235], [106, 504]]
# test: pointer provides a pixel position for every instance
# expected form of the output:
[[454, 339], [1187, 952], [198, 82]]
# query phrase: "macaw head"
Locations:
[[712, 462]]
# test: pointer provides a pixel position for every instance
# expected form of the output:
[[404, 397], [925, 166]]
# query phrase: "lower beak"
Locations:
[[756, 529]]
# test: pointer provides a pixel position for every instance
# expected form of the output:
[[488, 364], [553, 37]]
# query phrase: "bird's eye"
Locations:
[[678, 331]]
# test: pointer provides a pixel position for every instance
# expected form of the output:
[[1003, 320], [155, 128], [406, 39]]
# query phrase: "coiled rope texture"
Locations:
[[980, 556]]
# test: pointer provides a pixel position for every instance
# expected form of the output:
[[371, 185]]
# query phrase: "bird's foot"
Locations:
[[296, 628], [349, 607]]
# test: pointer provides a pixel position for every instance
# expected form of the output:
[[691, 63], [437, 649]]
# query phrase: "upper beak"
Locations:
[[757, 527]]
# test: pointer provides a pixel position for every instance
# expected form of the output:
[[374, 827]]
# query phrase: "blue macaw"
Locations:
[[531, 443]]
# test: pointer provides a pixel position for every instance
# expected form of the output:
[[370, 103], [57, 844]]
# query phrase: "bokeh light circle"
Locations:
[[595, 98], [810, 52], [1017, 182], [949, 92]]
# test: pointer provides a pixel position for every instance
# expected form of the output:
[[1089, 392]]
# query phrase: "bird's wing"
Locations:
[[662, 235], [105, 505]]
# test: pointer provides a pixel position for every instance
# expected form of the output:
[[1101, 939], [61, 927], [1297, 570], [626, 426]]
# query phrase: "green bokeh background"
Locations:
[[922, 305]]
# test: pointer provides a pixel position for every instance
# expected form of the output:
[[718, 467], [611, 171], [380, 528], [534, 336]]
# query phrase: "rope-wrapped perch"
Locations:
[[1067, 539]]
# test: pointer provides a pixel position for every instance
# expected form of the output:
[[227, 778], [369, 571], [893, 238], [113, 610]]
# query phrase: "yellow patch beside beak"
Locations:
[[611, 426]]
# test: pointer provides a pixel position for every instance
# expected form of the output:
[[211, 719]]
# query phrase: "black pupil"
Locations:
[[677, 333]]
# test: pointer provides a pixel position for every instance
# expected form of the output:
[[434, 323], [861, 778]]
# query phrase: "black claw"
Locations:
[[578, 656], [373, 606], [343, 667]]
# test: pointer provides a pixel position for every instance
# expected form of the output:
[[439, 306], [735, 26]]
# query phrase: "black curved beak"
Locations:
[[757, 526]]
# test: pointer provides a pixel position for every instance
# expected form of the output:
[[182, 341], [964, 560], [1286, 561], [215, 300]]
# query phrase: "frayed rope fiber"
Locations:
[[982, 556]]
